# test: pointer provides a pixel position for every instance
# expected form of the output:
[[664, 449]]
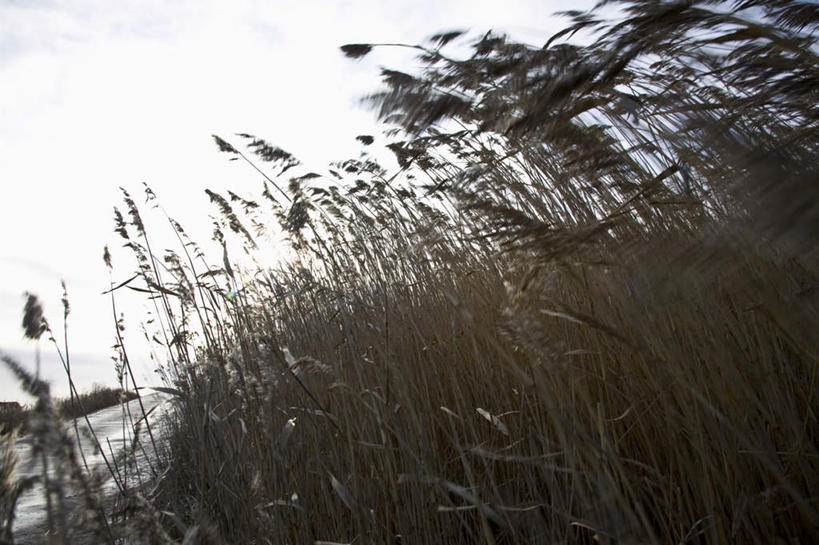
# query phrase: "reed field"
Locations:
[[584, 308]]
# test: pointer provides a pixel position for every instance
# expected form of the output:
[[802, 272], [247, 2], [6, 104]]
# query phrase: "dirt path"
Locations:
[[30, 522]]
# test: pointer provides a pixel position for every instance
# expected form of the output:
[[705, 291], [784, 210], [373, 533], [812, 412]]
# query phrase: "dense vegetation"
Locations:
[[99, 397], [584, 308]]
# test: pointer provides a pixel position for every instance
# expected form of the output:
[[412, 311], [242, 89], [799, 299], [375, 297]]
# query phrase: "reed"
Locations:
[[582, 309]]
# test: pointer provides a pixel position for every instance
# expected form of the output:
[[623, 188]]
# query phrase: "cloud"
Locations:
[[86, 370], [99, 94]]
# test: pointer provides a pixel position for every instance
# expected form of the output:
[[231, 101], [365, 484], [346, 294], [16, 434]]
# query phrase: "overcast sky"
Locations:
[[97, 94]]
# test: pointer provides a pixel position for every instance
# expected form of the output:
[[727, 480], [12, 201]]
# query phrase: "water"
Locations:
[[31, 520]]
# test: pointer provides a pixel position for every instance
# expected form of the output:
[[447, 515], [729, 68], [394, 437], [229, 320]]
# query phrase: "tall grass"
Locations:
[[77, 508], [582, 310]]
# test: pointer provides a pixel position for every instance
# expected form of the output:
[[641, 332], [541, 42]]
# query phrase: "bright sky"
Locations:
[[97, 94]]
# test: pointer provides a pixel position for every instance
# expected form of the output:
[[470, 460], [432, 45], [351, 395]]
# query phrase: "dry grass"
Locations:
[[99, 397], [583, 310]]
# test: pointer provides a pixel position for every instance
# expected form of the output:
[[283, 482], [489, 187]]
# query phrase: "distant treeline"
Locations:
[[14, 415]]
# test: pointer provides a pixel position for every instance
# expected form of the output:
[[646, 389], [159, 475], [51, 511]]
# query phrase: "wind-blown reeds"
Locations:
[[583, 308]]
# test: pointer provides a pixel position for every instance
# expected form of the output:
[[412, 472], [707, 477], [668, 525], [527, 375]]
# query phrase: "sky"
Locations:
[[96, 94]]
